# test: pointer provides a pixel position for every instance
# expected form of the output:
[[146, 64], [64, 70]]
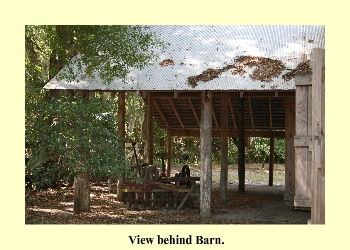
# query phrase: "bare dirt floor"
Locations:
[[260, 204]]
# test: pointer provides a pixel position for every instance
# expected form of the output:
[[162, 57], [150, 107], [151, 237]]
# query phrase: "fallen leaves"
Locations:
[[166, 62], [303, 66], [265, 69], [205, 76], [56, 207]]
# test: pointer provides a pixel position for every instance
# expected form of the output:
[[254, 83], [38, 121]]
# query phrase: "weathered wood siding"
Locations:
[[318, 135], [302, 139], [289, 192]]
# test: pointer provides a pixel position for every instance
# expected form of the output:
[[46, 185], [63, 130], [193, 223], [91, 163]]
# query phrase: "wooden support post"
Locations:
[[206, 154], [81, 193], [272, 152], [224, 147], [318, 137], [121, 116], [241, 148], [289, 190], [150, 128], [169, 146], [303, 109]]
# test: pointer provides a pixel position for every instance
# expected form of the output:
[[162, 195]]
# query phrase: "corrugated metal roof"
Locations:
[[193, 49]]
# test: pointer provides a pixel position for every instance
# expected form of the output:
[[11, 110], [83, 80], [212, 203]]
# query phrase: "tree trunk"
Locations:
[[82, 193], [120, 182]]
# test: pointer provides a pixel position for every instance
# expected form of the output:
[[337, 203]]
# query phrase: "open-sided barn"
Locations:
[[234, 81]]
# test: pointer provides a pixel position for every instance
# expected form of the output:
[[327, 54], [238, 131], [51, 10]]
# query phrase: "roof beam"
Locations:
[[231, 133], [194, 111], [251, 113], [176, 113], [176, 94], [161, 113]]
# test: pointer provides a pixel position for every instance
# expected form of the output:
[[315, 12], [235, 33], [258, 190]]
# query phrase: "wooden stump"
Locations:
[[81, 193]]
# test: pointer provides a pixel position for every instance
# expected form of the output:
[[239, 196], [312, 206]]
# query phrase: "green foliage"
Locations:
[[232, 152], [134, 107], [109, 51], [186, 150], [65, 135], [280, 150], [73, 135], [259, 151]]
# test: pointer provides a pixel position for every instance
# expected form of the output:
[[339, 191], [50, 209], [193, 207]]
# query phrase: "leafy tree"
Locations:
[[74, 135], [108, 51], [69, 135], [260, 150]]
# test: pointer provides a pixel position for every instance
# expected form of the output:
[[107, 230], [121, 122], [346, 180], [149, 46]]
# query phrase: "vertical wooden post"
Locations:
[[121, 116], [302, 140], [121, 132], [241, 148], [224, 147], [318, 137], [150, 128], [81, 193], [289, 190], [206, 154], [272, 152], [169, 145]]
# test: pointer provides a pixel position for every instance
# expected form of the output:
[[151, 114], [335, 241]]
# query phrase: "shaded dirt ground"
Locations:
[[260, 204]]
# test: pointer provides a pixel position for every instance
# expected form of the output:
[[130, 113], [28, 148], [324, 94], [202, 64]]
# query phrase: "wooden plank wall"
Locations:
[[289, 192], [318, 135], [302, 140]]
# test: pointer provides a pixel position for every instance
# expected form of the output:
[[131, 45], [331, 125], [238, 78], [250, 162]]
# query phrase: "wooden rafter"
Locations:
[[232, 114], [270, 113], [176, 113], [251, 113], [161, 113], [194, 111], [214, 117]]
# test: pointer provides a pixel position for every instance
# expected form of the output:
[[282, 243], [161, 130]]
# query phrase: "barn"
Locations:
[[234, 81]]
